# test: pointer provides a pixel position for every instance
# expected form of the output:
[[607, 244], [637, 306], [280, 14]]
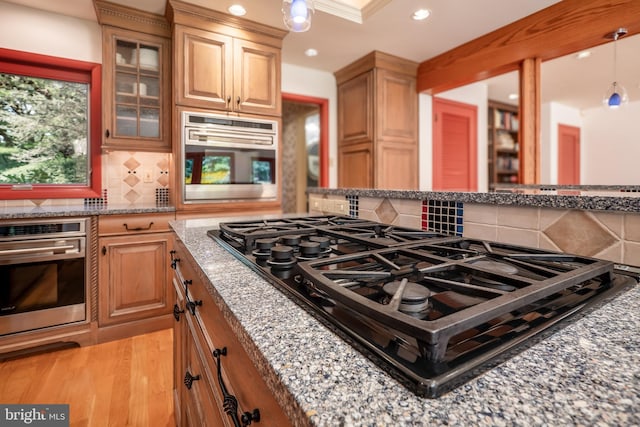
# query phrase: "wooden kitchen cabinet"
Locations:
[[136, 80], [378, 123], [134, 278], [225, 64], [206, 342]]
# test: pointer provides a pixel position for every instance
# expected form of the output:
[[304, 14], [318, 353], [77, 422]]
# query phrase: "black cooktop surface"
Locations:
[[433, 310]]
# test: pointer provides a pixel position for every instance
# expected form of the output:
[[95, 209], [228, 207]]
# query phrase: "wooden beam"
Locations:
[[563, 28], [530, 121]]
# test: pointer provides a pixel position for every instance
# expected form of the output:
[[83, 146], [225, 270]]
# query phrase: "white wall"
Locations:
[[425, 141], [551, 115], [36, 31], [319, 84], [474, 94], [611, 145]]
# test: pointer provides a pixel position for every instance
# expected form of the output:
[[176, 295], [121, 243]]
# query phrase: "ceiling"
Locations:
[[345, 30]]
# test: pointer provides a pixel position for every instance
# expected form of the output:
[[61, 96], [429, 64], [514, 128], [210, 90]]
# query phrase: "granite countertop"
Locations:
[[28, 212], [562, 199], [585, 374]]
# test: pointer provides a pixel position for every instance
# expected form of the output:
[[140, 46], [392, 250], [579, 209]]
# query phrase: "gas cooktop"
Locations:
[[433, 310]]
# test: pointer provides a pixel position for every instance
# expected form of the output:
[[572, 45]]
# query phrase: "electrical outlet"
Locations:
[[148, 176]]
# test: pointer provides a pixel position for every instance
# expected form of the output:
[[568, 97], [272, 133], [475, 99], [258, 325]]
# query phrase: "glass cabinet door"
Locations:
[[138, 90]]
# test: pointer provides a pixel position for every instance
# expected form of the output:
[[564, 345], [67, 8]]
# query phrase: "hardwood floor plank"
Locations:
[[120, 383]]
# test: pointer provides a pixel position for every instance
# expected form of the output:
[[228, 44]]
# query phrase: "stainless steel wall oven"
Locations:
[[43, 273], [228, 158]]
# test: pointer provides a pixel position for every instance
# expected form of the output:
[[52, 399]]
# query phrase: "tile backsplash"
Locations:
[[128, 178]]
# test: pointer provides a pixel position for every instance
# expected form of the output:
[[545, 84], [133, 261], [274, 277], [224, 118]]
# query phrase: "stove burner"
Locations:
[[413, 298], [263, 248], [309, 250], [496, 266], [292, 240], [324, 242]]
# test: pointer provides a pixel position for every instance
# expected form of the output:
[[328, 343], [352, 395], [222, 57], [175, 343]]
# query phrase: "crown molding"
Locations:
[[348, 12]]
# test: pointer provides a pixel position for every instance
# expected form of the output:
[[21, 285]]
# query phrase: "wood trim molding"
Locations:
[[563, 28], [129, 18], [194, 16], [376, 60]]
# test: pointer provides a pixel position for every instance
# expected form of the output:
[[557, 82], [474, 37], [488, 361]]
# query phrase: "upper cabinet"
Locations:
[[378, 123], [225, 63], [136, 84]]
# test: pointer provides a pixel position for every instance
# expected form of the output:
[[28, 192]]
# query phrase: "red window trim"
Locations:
[[18, 62]]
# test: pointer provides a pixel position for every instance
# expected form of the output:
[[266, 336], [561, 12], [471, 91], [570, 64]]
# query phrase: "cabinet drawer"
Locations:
[[200, 406], [240, 376], [133, 224]]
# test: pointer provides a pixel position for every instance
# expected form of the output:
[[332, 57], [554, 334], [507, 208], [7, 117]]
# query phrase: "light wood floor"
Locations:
[[119, 383]]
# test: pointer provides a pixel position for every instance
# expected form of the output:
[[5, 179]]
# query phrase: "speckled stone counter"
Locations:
[[28, 212], [534, 198], [585, 374]]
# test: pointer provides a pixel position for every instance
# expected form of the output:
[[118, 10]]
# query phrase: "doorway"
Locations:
[[305, 149], [455, 144], [568, 155]]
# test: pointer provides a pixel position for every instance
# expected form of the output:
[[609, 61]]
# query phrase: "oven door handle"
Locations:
[[43, 250]]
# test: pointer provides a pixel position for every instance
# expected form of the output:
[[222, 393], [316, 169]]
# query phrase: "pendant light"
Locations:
[[616, 95], [297, 14]]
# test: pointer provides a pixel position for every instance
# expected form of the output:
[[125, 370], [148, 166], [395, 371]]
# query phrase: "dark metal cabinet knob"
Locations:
[[189, 379]]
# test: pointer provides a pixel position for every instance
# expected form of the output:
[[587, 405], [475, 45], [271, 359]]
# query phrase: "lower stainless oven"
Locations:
[[43, 274], [228, 158]]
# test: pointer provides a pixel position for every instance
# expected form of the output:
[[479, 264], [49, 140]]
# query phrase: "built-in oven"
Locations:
[[43, 273], [227, 158]]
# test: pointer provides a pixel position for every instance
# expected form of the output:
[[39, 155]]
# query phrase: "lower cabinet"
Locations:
[[215, 381], [134, 278]]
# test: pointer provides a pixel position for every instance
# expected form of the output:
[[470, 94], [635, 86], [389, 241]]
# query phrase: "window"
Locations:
[[49, 127]]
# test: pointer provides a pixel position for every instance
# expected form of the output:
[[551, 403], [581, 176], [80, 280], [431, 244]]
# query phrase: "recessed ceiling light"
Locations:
[[583, 54], [311, 52], [237, 10], [421, 14], [514, 96]]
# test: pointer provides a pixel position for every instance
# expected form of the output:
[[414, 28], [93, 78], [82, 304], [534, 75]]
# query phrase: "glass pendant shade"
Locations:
[[297, 14], [615, 96]]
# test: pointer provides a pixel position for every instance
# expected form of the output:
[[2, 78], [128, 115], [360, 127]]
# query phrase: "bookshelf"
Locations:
[[504, 159]]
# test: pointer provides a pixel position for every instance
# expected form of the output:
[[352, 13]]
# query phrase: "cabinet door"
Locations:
[[355, 110], [136, 91], [134, 281], [257, 78], [204, 75], [396, 166], [355, 166]]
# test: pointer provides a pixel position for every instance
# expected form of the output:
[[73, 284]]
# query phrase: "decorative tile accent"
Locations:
[[578, 233], [163, 165], [131, 163], [163, 179], [97, 201], [162, 197], [443, 216], [131, 179], [386, 212], [353, 206], [132, 196]]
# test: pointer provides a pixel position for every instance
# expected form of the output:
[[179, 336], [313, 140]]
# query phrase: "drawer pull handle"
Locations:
[[189, 379], [174, 259], [230, 403], [177, 312], [191, 305], [126, 227]]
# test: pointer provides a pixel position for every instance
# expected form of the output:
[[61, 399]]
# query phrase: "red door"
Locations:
[[454, 146], [568, 155]]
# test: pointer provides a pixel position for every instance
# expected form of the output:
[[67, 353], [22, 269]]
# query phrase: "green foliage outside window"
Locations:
[[43, 131]]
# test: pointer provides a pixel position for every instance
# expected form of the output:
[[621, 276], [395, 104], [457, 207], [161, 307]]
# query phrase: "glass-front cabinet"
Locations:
[[136, 91]]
